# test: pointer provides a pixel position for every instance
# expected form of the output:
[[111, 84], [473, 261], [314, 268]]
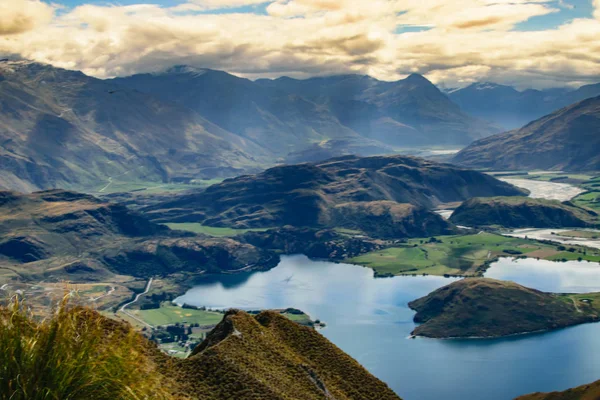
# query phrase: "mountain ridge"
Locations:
[[341, 191], [564, 140], [61, 128], [511, 108]]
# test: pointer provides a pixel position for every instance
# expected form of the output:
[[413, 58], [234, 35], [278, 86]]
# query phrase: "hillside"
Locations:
[[271, 357], [511, 108], [522, 212], [61, 128], [583, 392], [564, 140], [77, 351], [482, 307], [322, 194], [66, 235]]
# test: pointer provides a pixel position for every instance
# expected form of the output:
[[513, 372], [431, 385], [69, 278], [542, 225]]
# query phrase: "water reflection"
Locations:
[[548, 276]]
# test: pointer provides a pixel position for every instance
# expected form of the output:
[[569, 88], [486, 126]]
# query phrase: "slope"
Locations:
[[510, 108], [567, 140], [61, 128]]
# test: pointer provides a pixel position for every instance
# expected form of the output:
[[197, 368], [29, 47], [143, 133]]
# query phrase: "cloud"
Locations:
[[468, 40], [18, 16], [224, 4]]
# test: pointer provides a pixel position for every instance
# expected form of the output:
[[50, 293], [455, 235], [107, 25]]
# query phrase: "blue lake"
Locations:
[[369, 319]]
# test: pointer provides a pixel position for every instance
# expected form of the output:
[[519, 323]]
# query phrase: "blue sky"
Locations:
[[569, 10]]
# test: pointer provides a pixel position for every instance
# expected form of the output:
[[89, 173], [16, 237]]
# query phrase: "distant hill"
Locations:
[[567, 139], [66, 235], [348, 191], [482, 307], [522, 212], [510, 108], [61, 128], [338, 147]]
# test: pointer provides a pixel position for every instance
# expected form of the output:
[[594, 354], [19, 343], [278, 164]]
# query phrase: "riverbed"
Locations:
[[546, 190], [554, 235], [369, 319]]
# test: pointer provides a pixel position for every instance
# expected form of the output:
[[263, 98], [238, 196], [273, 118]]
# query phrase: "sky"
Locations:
[[524, 43]]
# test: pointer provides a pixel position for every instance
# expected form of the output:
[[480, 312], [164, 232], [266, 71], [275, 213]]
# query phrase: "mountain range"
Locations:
[[286, 114], [567, 140], [61, 128], [511, 108]]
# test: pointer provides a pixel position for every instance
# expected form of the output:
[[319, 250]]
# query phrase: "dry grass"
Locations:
[[73, 354]]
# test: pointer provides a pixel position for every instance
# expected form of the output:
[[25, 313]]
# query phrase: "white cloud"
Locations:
[[18, 16], [223, 4], [469, 40]]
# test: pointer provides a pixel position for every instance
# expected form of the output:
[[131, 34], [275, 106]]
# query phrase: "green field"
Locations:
[[460, 255], [592, 299], [169, 314], [211, 230], [589, 200], [302, 319]]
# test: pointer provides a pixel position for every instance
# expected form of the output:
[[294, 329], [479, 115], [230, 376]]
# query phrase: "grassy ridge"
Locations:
[[584, 392], [75, 354]]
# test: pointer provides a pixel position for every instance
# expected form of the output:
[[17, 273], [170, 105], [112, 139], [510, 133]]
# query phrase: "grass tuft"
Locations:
[[73, 354]]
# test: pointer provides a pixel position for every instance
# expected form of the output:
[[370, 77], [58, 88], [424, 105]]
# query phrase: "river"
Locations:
[[369, 319]]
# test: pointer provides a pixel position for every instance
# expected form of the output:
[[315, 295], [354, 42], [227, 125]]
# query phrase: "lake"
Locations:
[[369, 319]]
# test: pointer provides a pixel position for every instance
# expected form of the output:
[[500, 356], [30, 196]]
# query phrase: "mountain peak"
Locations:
[[183, 70], [417, 78]]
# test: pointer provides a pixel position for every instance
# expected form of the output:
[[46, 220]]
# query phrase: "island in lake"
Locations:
[[483, 307]]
